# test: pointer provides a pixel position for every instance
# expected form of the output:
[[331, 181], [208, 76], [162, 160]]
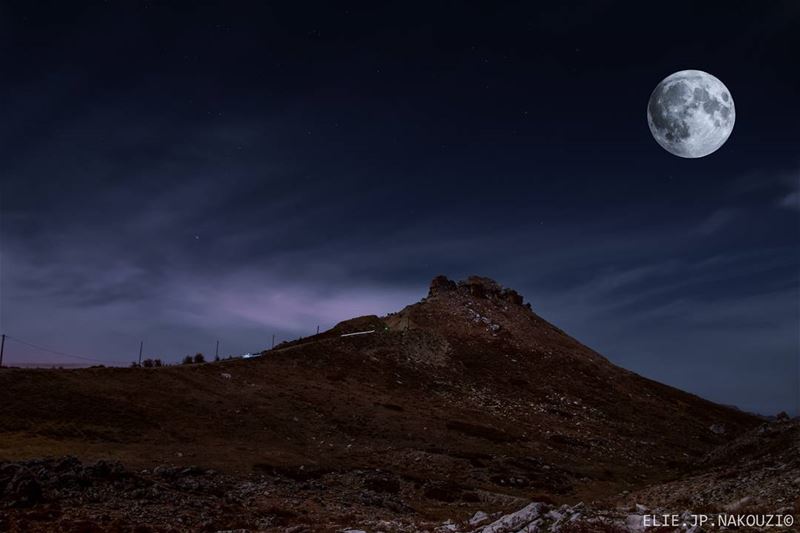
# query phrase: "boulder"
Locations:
[[382, 482], [19, 487], [441, 284], [481, 287]]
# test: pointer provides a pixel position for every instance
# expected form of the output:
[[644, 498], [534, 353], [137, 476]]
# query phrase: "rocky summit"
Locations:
[[465, 402]]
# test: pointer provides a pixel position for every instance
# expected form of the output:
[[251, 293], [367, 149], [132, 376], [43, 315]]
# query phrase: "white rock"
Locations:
[[719, 429], [225, 375], [635, 522], [738, 504], [554, 515], [478, 517], [514, 521]]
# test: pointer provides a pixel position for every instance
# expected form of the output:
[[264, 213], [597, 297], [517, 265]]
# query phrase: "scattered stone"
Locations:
[[382, 482], [718, 429], [447, 527]]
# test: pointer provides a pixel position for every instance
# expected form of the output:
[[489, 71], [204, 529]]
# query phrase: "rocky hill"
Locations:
[[464, 401]]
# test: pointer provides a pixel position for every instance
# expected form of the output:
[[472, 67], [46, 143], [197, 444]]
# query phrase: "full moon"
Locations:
[[691, 113]]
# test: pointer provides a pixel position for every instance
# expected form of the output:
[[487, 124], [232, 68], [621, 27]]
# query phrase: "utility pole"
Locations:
[[141, 345], [273, 340], [2, 347], [216, 352]]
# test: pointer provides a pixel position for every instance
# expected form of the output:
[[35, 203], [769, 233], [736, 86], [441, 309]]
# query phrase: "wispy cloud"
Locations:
[[791, 200], [273, 303], [716, 221], [781, 189]]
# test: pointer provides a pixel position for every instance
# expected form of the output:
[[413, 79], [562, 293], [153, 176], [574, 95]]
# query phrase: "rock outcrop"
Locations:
[[475, 286]]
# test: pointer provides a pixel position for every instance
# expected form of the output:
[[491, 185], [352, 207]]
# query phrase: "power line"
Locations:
[[57, 352]]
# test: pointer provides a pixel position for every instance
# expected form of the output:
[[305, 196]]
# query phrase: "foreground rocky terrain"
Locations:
[[756, 474], [66, 495], [464, 402]]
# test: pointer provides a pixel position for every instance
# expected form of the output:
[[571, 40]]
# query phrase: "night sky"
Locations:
[[187, 174]]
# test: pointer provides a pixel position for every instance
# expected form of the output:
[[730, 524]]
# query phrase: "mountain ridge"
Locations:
[[464, 397]]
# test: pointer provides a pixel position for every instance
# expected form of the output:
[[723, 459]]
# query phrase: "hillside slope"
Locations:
[[464, 396]]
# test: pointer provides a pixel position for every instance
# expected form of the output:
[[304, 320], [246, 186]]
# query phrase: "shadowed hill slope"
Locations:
[[466, 392]]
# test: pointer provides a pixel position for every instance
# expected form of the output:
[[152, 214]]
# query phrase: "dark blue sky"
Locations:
[[182, 174]]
